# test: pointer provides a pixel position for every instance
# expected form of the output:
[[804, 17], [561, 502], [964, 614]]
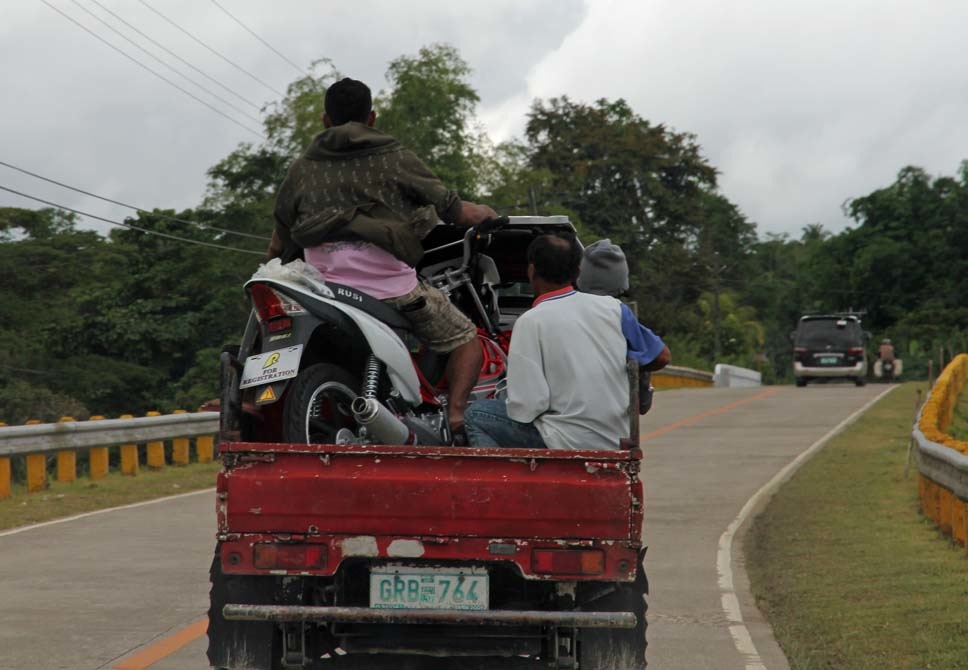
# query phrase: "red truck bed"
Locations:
[[433, 503]]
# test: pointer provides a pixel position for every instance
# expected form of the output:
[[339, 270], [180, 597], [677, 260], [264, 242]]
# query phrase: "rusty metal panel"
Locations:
[[432, 492], [620, 565]]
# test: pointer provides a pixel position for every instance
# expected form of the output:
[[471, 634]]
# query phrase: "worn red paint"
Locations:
[[457, 503]]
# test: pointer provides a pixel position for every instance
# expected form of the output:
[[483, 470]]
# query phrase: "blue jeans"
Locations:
[[488, 425]]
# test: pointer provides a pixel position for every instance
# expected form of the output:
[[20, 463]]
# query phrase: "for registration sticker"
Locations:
[[271, 366], [407, 587]]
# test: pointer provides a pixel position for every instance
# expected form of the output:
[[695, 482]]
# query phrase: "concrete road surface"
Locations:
[[127, 589]]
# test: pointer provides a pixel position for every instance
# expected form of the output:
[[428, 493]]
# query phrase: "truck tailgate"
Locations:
[[428, 491]]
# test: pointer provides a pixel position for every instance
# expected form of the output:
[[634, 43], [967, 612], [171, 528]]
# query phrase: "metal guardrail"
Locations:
[[33, 442], [675, 376], [69, 435], [943, 469], [942, 465]]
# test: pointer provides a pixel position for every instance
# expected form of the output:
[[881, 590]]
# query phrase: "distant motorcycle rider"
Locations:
[[886, 351], [359, 203]]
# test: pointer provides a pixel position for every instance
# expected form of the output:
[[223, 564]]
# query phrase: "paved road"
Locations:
[[127, 589]]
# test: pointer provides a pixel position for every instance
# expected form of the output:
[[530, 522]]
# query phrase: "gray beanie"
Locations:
[[604, 270]]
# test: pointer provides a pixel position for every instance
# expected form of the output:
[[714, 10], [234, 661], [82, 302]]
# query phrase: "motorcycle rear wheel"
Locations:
[[318, 404]]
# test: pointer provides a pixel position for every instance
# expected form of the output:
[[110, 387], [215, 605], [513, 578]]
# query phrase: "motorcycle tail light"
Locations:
[[270, 304], [268, 556], [568, 561]]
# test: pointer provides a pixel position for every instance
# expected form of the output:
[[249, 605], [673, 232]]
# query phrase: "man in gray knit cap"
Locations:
[[604, 271]]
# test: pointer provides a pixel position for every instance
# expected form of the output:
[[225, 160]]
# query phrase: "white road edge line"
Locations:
[[724, 557], [144, 503]]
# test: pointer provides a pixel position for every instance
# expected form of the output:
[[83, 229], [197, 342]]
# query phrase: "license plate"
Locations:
[[405, 587], [829, 360], [271, 366]]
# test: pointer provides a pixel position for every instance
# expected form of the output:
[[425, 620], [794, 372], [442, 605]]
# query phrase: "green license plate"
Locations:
[[406, 587], [829, 360]]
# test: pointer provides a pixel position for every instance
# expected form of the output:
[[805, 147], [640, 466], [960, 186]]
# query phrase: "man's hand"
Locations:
[[275, 247], [472, 214]]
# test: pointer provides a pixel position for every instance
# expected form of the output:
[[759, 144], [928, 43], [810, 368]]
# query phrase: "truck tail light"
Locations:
[[270, 304], [568, 561], [269, 556]]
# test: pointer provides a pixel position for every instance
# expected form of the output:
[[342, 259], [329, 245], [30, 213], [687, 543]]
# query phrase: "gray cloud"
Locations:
[[800, 104], [83, 114]]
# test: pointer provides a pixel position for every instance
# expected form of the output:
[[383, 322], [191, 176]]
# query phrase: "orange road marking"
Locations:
[[711, 412], [164, 647]]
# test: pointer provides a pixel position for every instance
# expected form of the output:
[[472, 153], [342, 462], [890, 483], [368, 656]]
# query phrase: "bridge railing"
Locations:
[[35, 441], [942, 459], [675, 376]]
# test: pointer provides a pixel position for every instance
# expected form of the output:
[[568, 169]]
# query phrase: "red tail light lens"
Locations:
[[270, 304], [856, 351], [289, 556], [799, 353], [568, 561]]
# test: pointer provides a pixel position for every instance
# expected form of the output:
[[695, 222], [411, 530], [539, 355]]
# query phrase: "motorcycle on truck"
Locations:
[[351, 533]]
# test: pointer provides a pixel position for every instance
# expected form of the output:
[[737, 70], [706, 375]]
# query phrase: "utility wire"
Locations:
[[176, 56], [167, 65], [253, 33], [233, 64], [203, 226], [154, 72], [130, 225]]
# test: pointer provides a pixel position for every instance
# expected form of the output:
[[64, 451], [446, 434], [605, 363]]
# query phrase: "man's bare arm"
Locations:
[[471, 214], [660, 361]]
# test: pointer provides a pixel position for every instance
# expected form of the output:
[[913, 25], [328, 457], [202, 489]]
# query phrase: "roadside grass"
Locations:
[[845, 568], [61, 500]]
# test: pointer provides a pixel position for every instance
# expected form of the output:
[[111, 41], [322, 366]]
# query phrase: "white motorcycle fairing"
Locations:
[[384, 343]]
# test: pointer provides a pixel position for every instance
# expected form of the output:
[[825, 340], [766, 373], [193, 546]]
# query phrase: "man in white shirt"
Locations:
[[567, 382]]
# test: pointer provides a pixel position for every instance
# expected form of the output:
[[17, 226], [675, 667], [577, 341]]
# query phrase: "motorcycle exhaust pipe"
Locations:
[[381, 423]]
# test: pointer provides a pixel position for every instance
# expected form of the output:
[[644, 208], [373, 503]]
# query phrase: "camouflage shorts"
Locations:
[[438, 323]]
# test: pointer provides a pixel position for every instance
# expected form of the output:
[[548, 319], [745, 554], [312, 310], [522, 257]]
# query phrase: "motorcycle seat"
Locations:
[[372, 306]]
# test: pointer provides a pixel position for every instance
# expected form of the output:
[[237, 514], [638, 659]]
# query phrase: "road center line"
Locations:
[[164, 647], [742, 639], [707, 413]]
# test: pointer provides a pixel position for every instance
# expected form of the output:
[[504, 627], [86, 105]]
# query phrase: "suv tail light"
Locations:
[[270, 304], [799, 353], [856, 351], [268, 556], [568, 561]]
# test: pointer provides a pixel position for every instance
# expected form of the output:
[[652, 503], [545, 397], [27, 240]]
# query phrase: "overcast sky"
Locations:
[[800, 104]]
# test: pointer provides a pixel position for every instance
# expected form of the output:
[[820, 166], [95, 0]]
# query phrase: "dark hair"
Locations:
[[348, 100], [556, 257]]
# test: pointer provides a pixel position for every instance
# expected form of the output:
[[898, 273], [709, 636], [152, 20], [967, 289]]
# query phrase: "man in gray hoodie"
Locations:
[[359, 204]]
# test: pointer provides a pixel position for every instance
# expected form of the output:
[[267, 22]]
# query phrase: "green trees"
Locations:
[[131, 322]]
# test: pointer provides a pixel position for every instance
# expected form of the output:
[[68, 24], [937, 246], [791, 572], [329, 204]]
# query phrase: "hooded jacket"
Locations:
[[357, 183]]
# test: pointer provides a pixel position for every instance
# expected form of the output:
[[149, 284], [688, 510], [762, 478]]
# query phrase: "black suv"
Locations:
[[829, 346]]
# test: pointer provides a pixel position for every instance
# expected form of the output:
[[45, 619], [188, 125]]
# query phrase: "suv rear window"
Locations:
[[818, 333]]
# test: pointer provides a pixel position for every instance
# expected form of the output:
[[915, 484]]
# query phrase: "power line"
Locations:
[[203, 226], [176, 56], [269, 46], [130, 225], [227, 60], [154, 72], [167, 65]]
